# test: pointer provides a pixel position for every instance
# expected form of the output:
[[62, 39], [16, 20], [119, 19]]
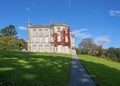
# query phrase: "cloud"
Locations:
[[27, 9], [81, 34], [102, 40], [69, 2], [22, 28], [114, 12]]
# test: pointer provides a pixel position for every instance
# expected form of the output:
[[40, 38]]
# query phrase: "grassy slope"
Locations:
[[34, 69], [105, 73]]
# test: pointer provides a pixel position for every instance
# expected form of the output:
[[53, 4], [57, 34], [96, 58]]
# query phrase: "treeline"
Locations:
[[9, 40], [113, 53], [87, 46]]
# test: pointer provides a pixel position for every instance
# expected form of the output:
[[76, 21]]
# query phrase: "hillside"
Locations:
[[34, 69], [104, 72]]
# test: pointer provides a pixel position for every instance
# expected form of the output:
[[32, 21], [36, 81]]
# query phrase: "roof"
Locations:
[[40, 26], [48, 26], [59, 24]]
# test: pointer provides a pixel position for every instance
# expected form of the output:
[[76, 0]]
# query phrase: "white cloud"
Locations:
[[69, 2], [114, 12], [27, 9], [22, 28], [81, 34], [102, 40]]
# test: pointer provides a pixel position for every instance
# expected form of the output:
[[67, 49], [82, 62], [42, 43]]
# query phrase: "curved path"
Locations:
[[79, 76]]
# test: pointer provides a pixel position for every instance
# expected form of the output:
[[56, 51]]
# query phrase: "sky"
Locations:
[[96, 19]]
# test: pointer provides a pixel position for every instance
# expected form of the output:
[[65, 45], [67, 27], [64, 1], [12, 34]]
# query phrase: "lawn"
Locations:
[[34, 69], [104, 73]]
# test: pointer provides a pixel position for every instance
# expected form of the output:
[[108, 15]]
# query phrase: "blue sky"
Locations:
[[97, 19]]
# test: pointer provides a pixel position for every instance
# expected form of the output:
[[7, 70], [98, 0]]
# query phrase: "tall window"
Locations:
[[58, 29], [66, 39], [40, 39], [34, 48], [40, 31], [59, 39], [46, 48], [34, 39], [51, 39], [46, 29], [40, 48], [46, 39], [34, 31], [46, 32]]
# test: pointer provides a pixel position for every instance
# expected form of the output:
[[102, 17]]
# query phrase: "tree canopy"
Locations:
[[9, 41], [87, 46], [8, 31]]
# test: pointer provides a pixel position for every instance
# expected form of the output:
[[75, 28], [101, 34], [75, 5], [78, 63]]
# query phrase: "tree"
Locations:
[[100, 51], [78, 51], [86, 46], [9, 31], [94, 50], [22, 44], [9, 41], [12, 44], [113, 53]]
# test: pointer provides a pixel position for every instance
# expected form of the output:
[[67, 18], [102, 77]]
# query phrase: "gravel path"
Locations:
[[79, 76]]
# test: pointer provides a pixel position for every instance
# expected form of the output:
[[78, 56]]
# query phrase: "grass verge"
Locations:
[[104, 73], [34, 69]]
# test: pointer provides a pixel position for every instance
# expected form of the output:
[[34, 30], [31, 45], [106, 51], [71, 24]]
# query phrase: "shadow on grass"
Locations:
[[34, 69], [102, 74]]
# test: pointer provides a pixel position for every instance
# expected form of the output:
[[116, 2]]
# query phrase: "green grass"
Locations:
[[34, 69], [104, 73]]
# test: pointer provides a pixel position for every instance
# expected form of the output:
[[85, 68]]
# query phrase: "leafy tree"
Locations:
[[12, 44], [113, 53], [22, 44], [78, 51], [86, 46], [100, 51], [9, 31], [110, 52], [9, 40]]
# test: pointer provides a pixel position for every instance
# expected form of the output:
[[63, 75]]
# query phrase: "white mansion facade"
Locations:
[[55, 38]]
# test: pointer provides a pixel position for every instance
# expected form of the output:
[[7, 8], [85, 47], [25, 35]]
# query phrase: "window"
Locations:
[[34, 31], [40, 31], [40, 48], [46, 39], [58, 29], [46, 48], [46, 31], [34, 39], [51, 39], [34, 48], [66, 39], [40, 39], [34, 35], [59, 39]]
